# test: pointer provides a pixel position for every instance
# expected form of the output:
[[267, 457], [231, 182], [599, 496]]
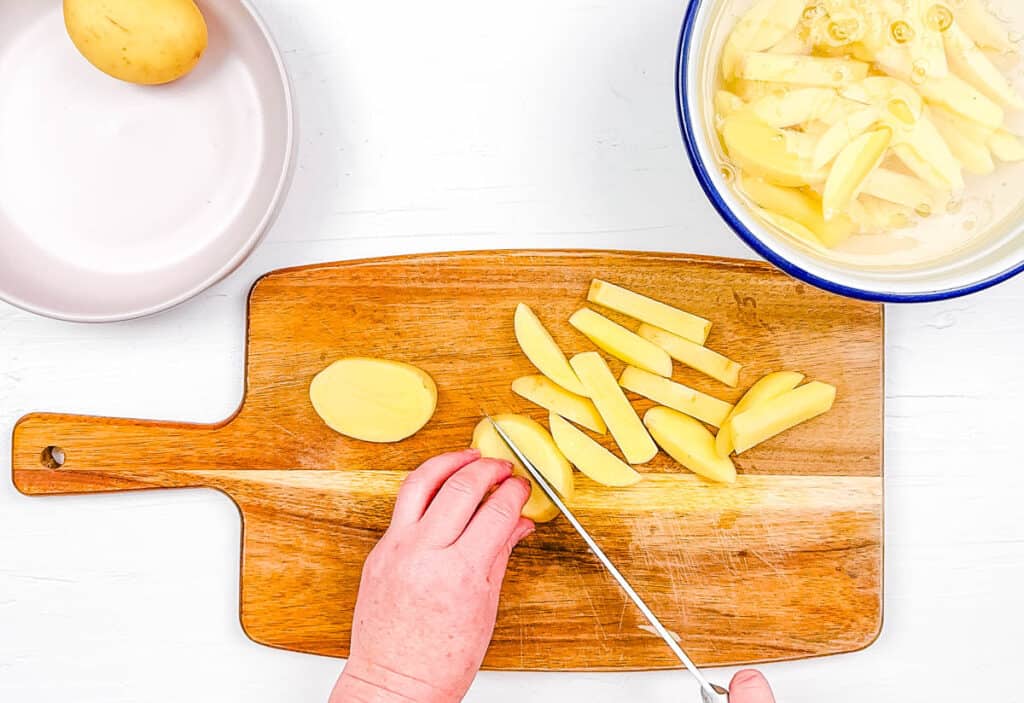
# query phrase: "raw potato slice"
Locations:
[[552, 397], [875, 215], [693, 355], [983, 27], [802, 70], [925, 152], [768, 387], [799, 207], [591, 458], [542, 351], [623, 422], [852, 167], [727, 103], [676, 396], [970, 63], [374, 400], [794, 107], [974, 131], [900, 188], [975, 156], [538, 446], [1006, 147], [689, 442], [764, 421], [764, 25], [762, 150], [621, 343], [840, 135], [648, 310], [790, 227], [964, 99]]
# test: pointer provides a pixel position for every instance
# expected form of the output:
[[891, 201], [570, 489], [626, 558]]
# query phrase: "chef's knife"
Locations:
[[709, 692]]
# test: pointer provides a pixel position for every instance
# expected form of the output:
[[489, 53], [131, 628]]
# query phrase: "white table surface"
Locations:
[[462, 125]]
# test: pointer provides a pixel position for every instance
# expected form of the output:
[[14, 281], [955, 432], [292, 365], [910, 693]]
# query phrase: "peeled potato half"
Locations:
[[373, 399]]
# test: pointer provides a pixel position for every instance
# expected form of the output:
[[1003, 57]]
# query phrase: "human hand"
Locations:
[[428, 597], [750, 686]]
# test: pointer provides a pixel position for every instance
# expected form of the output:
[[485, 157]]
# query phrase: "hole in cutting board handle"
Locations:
[[52, 457]]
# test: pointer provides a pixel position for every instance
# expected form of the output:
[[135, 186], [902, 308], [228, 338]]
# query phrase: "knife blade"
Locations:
[[710, 693]]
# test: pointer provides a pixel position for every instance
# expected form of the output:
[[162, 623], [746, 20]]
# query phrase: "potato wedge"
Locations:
[[802, 70], [374, 400], [622, 343], [544, 392], [542, 351], [591, 458], [855, 163], [970, 63], [768, 419], [768, 387], [763, 151], [622, 420], [538, 446], [648, 310], [800, 207], [694, 355], [675, 395], [689, 443]]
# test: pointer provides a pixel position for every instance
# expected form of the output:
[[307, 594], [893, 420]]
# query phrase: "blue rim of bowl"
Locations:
[[752, 241]]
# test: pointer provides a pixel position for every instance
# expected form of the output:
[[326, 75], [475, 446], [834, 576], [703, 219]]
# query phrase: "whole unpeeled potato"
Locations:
[[139, 41]]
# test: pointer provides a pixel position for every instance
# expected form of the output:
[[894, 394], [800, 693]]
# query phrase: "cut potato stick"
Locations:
[[593, 460], [984, 28], [899, 188], [693, 355], [956, 95], [542, 351], [852, 167], [768, 387], [687, 400], [798, 206], [622, 420], [802, 70], [648, 310], [976, 157], [763, 26], [763, 150], [621, 343], [1007, 147], [544, 392], [689, 443], [764, 421], [970, 63]]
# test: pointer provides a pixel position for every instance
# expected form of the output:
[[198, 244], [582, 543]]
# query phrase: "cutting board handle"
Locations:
[[53, 454]]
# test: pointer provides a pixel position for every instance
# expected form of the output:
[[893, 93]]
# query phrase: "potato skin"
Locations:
[[148, 42]]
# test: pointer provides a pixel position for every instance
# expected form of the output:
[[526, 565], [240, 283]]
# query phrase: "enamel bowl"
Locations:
[[944, 257], [118, 201]]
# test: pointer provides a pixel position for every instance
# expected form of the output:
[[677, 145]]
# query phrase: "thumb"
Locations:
[[750, 686], [523, 529]]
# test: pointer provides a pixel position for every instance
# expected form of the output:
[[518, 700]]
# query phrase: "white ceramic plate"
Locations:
[[118, 201]]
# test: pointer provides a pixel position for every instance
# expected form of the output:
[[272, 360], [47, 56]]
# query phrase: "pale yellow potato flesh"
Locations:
[[676, 396], [1006, 147], [537, 445], [373, 399], [648, 310], [800, 207], [593, 460], [623, 422], [768, 387], [851, 168], [689, 443], [763, 151], [543, 352], [763, 26], [801, 70], [544, 392], [621, 343], [783, 412], [149, 43], [694, 355]]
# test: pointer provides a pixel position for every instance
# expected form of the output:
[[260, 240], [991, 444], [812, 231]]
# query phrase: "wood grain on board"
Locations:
[[785, 564]]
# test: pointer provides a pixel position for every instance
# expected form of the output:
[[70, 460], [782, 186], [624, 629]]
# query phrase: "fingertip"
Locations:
[[750, 686]]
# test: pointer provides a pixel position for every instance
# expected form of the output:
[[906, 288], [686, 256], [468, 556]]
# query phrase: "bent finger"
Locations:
[[459, 498], [523, 529], [420, 486], [495, 521]]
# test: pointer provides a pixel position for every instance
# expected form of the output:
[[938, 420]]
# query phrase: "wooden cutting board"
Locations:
[[785, 564]]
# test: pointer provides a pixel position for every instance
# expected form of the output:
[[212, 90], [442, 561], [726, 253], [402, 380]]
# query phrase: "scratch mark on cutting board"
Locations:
[[593, 607]]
